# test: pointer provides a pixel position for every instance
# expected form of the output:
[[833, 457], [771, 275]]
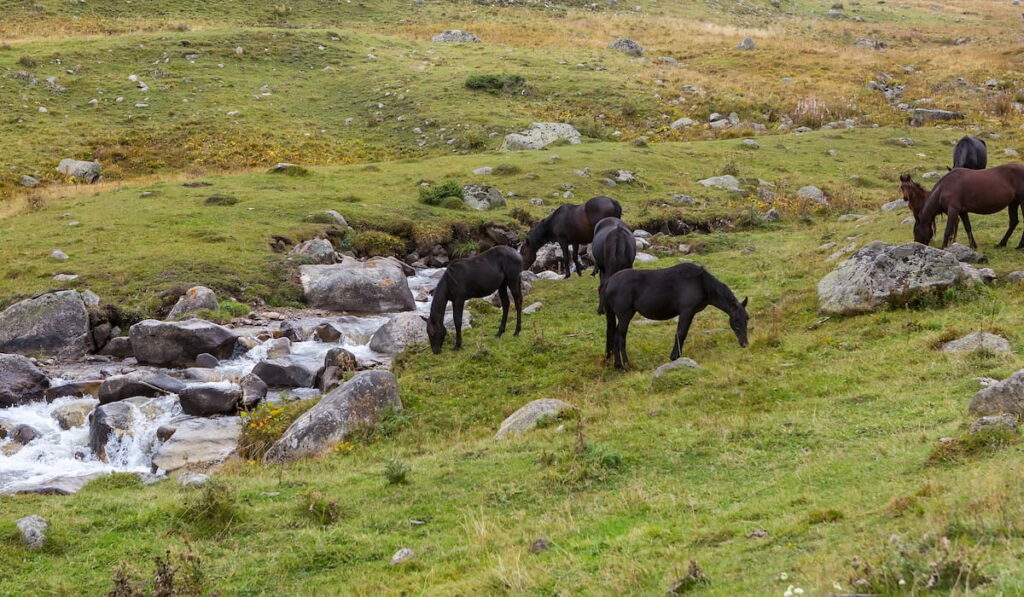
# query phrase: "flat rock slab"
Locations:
[[374, 286], [199, 445], [540, 135], [676, 364], [527, 417], [976, 342], [966, 254]]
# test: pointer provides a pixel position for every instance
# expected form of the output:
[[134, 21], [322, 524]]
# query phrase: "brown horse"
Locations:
[[569, 225], [964, 191], [913, 193]]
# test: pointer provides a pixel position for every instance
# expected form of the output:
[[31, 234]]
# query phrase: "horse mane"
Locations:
[[537, 235], [716, 287]]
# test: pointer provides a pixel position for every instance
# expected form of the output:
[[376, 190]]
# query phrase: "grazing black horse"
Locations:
[[971, 153], [614, 249], [497, 268], [682, 290], [569, 225]]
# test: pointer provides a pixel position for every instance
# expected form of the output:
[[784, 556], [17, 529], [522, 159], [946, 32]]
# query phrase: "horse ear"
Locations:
[[904, 178], [744, 303]]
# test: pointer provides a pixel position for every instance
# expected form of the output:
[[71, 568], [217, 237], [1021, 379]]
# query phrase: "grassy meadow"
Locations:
[[807, 459]]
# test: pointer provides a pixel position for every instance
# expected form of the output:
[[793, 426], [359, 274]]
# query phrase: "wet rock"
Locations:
[[326, 332], [1004, 397], [527, 417], [627, 45], [337, 363], [287, 372], [87, 171], [375, 286], [318, 251], [676, 364], [110, 421], [976, 342], [87, 387], [254, 391], [205, 400], [292, 332], [966, 254], [482, 197], [54, 324], [198, 298], [23, 434], [33, 531], [880, 273], [357, 404], [119, 347], [207, 361], [199, 445], [279, 348], [73, 414], [177, 344], [20, 380], [138, 383], [455, 36], [164, 432], [406, 329], [540, 135]]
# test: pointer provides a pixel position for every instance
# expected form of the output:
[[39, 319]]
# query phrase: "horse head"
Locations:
[[924, 229], [436, 333], [534, 241], [738, 319], [913, 193]]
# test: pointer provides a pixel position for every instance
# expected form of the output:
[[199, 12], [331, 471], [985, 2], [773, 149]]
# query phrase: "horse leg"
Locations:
[[682, 329], [517, 296], [620, 337], [609, 337], [457, 317], [503, 297], [952, 222], [1012, 225], [566, 258], [967, 227], [576, 259]]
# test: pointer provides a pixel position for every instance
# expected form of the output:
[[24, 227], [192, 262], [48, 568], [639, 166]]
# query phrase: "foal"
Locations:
[[683, 290], [613, 249], [497, 268], [913, 193]]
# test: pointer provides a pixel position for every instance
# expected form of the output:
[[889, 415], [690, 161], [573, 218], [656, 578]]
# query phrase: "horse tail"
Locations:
[[618, 209]]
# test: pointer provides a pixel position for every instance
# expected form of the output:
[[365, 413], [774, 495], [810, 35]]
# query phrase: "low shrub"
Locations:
[[220, 200], [495, 83], [315, 506], [266, 424], [396, 472], [436, 194], [373, 243], [506, 170], [214, 510]]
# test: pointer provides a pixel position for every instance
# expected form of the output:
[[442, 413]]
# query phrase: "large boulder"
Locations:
[[178, 343], [84, 387], [881, 273], [455, 36], [110, 421], [317, 250], [55, 324], [965, 254], [482, 197], [20, 380], [374, 286], [540, 135], [527, 417], [287, 372], [198, 298], [208, 399], [1004, 397], [406, 329], [199, 445], [138, 383], [357, 404], [977, 342], [82, 170], [726, 182]]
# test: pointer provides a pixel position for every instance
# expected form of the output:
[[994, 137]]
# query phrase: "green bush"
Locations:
[[396, 472], [493, 83], [454, 203], [376, 243], [266, 424], [436, 194]]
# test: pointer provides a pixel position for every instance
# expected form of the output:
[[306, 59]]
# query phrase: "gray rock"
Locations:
[[880, 273], [87, 171], [23, 434], [317, 250], [532, 308], [406, 329], [676, 364], [727, 182], [540, 135], [287, 372], [192, 479], [1007, 422], [894, 205], [455, 36], [118, 346], [199, 445], [627, 45], [73, 414], [357, 404], [751, 144], [976, 275], [207, 361], [645, 257], [682, 123], [254, 391], [746, 44], [326, 332], [198, 298], [110, 421], [852, 218], [20, 380], [33, 531], [527, 417], [28, 181], [375, 286], [1004, 397], [483, 170], [923, 115], [208, 399], [138, 383], [178, 343], [812, 193], [54, 324], [772, 216], [58, 254], [978, 341], [402, 556], [905, 141], [482, 197], [966, 254], [1015, 277], [84, 387], [279, 348], [337, 363]]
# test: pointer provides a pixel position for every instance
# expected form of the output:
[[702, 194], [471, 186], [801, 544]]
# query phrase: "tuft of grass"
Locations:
[[214, 511], [396, 472], [495, 83], [507, 170], [957, 449], [318, 509], [372, 243], [220, 200]]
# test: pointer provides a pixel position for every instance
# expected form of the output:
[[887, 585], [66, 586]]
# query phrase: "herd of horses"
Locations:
[[686, 289], [968, 188], [680, 291]]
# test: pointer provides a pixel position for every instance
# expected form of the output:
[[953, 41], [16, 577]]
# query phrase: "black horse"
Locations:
[[569, 225], [971, 153], [497, 268], [614, 250], [683, 290]]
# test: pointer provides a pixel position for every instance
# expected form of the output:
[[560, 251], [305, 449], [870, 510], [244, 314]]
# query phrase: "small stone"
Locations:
[[772, 216], [33, 531], [540, 545], [483, 170], [1005, 421], [676, 364], [402, 556], [28, 181], [747, 44], [533, 308], [751, 144], [207, 361], [192, 479], [58, 254]]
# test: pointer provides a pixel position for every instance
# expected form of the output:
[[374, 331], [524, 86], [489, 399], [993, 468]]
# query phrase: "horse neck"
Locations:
[[440, 301], [932, 205], [539, 235], [719, 295]]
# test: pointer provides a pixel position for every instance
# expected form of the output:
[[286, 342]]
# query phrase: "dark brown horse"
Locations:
[[569, 225], [497, 268], [614, 250], [964, 191], [683, 290], [913, 193]]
